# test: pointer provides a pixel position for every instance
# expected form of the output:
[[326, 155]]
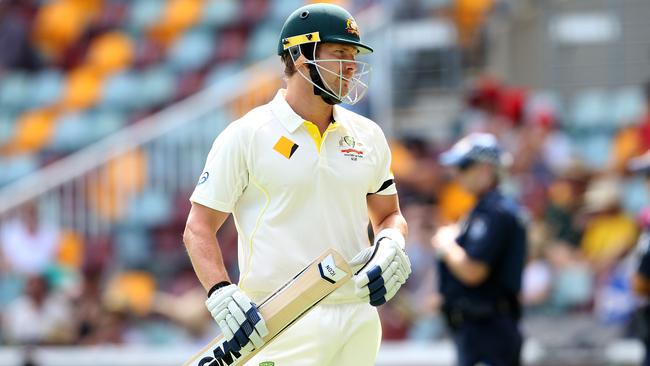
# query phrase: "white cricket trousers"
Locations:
[[331, 334]]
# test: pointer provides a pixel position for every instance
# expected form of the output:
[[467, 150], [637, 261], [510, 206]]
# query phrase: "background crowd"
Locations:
[[74, 71]]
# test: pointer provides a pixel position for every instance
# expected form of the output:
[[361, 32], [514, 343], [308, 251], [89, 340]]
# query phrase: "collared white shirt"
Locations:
[[293, 193]]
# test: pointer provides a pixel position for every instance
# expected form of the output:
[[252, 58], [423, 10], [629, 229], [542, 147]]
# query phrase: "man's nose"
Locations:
[[349, 67]]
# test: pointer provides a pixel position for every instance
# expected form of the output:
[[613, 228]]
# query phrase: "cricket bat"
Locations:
[[284, 307]]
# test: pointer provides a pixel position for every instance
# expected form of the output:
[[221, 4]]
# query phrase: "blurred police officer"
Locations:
[[482, 259], [641, 278]]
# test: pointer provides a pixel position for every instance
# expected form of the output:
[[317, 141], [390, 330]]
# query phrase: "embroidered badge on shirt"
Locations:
[[347, 147], [285, 147]]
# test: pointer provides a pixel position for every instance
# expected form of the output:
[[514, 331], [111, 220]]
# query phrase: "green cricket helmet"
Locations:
[[315, 23], [321, 23]]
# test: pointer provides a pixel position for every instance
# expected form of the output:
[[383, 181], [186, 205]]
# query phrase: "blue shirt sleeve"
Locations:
[[485, 237]]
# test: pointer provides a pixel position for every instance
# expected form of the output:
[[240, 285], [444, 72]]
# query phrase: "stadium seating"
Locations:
[[104, 65]]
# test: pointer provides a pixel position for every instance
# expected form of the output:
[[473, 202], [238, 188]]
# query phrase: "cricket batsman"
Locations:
[[302, 174]]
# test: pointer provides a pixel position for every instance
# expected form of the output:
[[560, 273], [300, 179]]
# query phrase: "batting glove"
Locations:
[[386, 268], [238, 318]]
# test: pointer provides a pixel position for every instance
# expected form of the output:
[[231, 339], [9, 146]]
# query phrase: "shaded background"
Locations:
[[109, 107]]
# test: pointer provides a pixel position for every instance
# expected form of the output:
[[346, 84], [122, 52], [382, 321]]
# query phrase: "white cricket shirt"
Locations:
[[294, 193]]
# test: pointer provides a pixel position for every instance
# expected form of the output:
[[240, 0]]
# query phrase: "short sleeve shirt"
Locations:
[[493, 234], [294, 193]]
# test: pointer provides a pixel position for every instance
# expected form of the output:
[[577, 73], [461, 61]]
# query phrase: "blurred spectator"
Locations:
[[40, 316], [561, 210], [415, 167], [541, 146], [88, 308], [481, 106], [631, 141], [470, 16], [15, 18], [609, 232], [29, 245], [511, 105], [111, 329]]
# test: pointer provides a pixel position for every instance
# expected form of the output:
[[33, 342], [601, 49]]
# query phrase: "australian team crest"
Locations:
[[347, 146], [347, 141], [352, 28]]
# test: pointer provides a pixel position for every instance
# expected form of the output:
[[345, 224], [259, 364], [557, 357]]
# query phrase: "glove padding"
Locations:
[[238, 318], [386, 270]]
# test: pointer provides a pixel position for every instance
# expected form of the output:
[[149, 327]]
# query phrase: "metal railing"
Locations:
[[95, 187]]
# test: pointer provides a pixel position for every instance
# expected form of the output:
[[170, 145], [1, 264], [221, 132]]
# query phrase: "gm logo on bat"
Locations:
[[223, 354]]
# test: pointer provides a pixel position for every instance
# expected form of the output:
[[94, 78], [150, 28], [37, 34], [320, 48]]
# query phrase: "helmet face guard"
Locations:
[[341, 89], [313, 24]]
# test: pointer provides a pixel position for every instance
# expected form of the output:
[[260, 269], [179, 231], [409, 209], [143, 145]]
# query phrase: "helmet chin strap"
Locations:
[[315, 77], [319, 85]]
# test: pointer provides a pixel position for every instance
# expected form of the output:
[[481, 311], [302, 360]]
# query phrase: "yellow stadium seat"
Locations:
[[83, 88], [110, 52], [626, 145], [131, 291], [90, 8], [71, 251], [57, 25], [34, 129], [183, 13], [178, 15]]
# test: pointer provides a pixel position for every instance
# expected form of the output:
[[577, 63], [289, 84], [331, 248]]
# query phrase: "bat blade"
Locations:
[[284, 307]]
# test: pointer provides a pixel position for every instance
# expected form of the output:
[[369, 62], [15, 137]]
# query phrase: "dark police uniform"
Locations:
[[484, 318]]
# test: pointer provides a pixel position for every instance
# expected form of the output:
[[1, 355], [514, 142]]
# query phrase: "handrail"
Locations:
[[95, 155], [71, 169]]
